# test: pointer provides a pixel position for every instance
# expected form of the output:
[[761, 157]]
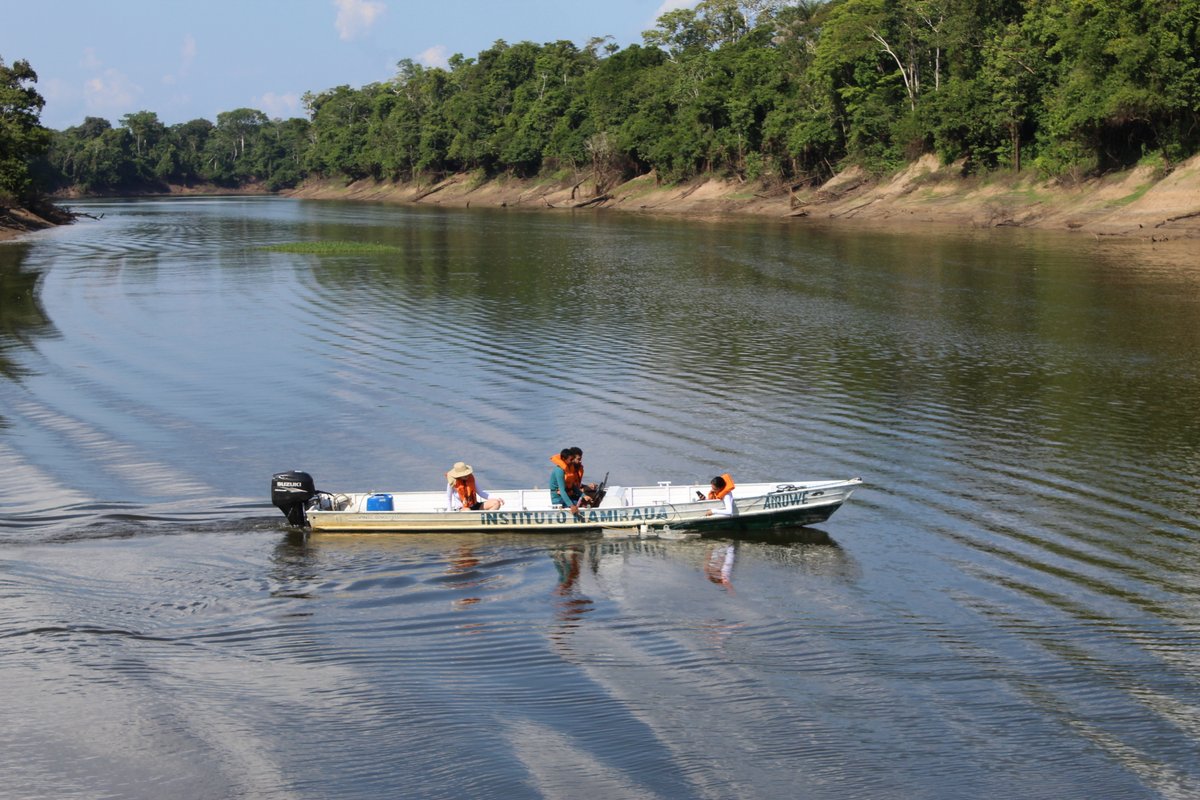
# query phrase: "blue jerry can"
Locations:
[[379, 502]]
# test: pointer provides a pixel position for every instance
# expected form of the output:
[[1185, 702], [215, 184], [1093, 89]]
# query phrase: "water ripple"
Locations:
[[1013, 587]]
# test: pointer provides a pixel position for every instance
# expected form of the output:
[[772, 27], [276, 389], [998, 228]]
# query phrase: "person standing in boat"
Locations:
[[722, 489], [565, 481], [463, 495]]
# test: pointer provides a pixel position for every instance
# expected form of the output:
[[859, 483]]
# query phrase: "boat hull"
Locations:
[[633, 508]]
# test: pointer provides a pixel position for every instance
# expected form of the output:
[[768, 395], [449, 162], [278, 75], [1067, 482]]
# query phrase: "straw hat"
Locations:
[[459, 470]]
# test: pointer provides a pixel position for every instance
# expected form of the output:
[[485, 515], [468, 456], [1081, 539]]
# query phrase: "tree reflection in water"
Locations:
[[22, 317]]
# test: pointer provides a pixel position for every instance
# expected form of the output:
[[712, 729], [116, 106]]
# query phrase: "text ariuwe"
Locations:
[[785, 500], [593, 516]]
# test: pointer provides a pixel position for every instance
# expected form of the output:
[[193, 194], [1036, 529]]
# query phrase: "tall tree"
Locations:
[[232, 149], [340, 118], [22, 137], [150, 161], [189, 142]]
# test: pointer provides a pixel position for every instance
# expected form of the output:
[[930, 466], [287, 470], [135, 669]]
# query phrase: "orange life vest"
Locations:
[[465, 488], [574, 478], [714, 495], [572, 474]]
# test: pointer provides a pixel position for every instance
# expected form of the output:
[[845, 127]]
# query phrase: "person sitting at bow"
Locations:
[[463, 495], [722, 489]]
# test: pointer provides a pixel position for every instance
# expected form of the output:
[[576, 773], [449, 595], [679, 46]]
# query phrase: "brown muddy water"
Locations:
[[1009, 607]]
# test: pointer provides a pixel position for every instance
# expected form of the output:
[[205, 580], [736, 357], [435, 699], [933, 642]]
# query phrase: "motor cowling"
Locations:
[[290, 493]]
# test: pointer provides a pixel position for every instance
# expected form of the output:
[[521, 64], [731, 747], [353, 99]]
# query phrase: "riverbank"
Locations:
[[17, 221], [1137, 204]]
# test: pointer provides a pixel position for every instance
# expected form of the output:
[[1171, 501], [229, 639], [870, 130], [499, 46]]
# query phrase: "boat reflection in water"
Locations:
[[576, 574]]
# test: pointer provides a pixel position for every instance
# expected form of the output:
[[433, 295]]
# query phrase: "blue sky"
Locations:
[[185, 59]]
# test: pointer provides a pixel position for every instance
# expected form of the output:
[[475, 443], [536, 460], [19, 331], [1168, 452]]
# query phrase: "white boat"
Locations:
[[665, 505]]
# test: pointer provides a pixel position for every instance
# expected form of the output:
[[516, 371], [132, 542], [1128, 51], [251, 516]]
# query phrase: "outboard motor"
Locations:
[[290, 493]]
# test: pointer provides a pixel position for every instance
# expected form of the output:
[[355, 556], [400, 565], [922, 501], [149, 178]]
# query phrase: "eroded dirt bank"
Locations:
[[17, 221], [1132, 205]]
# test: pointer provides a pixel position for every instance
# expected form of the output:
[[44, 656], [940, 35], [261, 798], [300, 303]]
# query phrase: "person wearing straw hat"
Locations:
[[463, 495]]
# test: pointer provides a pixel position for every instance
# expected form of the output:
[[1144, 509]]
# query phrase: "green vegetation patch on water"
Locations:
[[331, 248]]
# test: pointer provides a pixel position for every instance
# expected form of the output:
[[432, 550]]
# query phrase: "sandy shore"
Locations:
[[1137, 205]]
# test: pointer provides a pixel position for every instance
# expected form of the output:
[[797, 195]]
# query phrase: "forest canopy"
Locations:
[[778, 90]]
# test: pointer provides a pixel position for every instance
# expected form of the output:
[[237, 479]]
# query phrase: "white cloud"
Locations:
[[355, 17], [436, 56], [279, 106], [110, 92]]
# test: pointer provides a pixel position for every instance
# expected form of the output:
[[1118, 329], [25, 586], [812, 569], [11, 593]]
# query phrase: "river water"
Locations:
[[1009, 606]]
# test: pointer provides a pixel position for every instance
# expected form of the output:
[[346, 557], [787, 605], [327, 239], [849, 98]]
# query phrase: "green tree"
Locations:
[[546, 121], [150, 155], [95, 156], [1013, 69], [430, 96], [232, 153], [799, 131], [862, 64], [1124, 80], [66, 155], [281, 149], [393, 130], [189, 142], [22, 137], [340, 120], [485, 108]]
